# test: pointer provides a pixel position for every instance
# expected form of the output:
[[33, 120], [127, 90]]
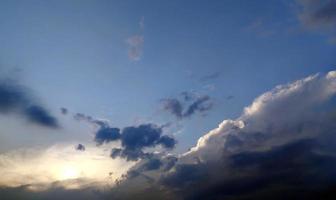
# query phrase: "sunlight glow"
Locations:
[[68, 172]]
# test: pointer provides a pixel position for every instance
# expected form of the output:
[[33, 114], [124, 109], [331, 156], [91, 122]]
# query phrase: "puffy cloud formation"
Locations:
[[281, 147], [134, 139], [285, 113], [195, 104], [16, 99]]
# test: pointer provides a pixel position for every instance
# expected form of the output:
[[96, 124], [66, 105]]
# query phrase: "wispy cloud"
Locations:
[[136, 42], [189, 105], [15, 98]]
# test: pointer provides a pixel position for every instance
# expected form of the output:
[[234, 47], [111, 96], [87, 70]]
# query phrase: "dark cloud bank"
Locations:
[[281, 147], [15, 98]]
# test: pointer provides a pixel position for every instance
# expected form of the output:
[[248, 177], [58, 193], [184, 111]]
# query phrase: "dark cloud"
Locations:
[[107, 134], [39, 115], [173, 106], [188, 106], [17, 99], [319, 15], [134, 139], [64, 111], [80, 147], [297, 170], [201, 104]]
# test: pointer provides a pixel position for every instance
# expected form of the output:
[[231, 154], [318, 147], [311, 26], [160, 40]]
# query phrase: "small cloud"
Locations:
[[64, 111], [80, 147], [188, 106], [136, 42]]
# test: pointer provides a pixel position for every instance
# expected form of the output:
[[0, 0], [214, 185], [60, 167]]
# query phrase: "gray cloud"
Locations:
[[15, 98], [134, 139], [319, 16], [188, 106]]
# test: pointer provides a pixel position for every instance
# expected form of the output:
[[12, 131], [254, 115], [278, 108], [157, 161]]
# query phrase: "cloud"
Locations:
[[106, 135], [80, 147], [318, 15], [136, 43], [134, 139], [194, 103], [60, 165], [64, 111], [282, 146], [39, 115], [16, 99]]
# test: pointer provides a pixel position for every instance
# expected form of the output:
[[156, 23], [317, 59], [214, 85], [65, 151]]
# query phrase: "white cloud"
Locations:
[[286, 113]]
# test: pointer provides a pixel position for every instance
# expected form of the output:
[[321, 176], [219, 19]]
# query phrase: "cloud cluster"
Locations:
[[188, 106], [281, 147], [16, 99], [134, 139]]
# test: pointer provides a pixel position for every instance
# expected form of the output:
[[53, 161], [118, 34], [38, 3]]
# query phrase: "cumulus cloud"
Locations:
[[15, 98], [283, 143], [188, 106]]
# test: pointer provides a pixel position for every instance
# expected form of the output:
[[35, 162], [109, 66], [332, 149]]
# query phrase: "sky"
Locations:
[[100, 90]]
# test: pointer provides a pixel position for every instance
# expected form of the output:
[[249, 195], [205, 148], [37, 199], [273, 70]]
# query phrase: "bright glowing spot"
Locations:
[[68, 172]]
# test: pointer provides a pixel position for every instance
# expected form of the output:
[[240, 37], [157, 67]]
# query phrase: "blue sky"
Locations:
[[74, 54]]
